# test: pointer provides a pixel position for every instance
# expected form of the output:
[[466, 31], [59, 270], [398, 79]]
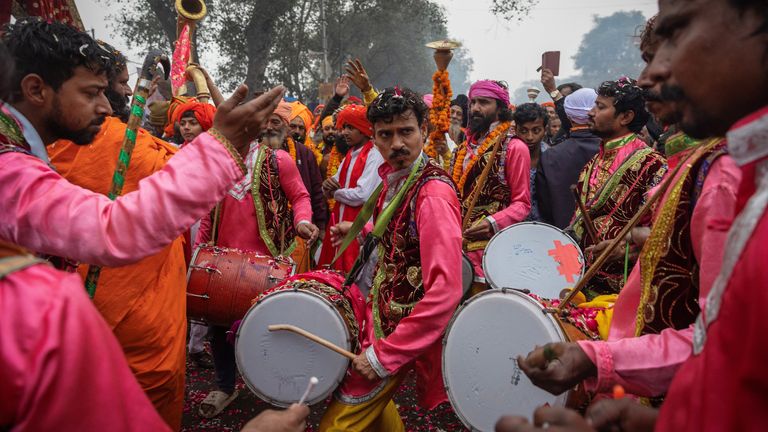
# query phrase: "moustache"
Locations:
[[399, 153], [672, 93], [98, 121], [651, 96]]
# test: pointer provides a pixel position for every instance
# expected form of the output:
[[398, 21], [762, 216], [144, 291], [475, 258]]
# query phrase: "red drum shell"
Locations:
[[222, 282]]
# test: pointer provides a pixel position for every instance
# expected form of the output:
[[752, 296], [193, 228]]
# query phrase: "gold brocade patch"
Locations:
[[414, 276]]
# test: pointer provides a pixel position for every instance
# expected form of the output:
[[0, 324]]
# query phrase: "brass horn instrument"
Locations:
[[189, 13]]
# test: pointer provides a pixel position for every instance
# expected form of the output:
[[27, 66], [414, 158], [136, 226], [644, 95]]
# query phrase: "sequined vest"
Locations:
[[273, 209], [397, 284], [670, 285], [495, 194]]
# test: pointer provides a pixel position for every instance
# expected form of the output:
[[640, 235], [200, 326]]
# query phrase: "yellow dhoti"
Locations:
[[376, 415]]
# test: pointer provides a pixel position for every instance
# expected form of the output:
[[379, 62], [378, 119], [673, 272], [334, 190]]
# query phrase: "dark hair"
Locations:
[[188, 114], [6, 71], [116, 62], [52, 50], [462, 101], [529, 112], [396, 101], [505, 114], [647, 37], [627, 96], [574, 86]]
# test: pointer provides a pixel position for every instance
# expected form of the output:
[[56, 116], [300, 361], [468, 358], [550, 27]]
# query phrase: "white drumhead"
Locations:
[[480, 349], [277, 366], [533, 256]]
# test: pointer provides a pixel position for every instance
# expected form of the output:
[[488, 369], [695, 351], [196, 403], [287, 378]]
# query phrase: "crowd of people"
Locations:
[[664, 176]]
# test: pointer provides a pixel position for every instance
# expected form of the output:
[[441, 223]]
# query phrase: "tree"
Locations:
[[610, 49], [263, 42], [512, 9]]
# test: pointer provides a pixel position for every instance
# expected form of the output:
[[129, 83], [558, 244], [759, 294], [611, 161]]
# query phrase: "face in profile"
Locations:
[[78, 108]]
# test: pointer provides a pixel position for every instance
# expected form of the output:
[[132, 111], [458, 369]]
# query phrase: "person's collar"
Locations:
[[679, 142], [619, 142], [748, 138], [36, 144]]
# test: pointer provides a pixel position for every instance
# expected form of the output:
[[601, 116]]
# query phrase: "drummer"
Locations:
[[645, 365], [262, 213], [501, 197], [415, 289]]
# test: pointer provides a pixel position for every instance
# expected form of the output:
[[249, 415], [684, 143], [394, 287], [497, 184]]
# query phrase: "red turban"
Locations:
[[356, 116], [548, 104], [203, 112], [176, 102]]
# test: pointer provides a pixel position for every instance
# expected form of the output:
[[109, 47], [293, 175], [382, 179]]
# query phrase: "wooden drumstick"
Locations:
[[588, 223], [597, 265], [314, 338]]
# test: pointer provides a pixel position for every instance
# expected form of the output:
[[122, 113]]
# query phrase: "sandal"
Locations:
[[215, 402]]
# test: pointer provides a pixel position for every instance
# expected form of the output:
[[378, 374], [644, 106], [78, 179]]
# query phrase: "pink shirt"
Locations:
[[417, 339], [60, 366], [624, 359], [517, 173], [45, 213], [239, 228], [722, 386]]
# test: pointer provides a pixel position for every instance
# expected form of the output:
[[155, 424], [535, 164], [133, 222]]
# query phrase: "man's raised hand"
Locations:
[[241, 122]]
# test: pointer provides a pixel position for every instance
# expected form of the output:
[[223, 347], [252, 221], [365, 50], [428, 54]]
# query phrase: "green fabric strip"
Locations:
[[679, 142], [140, 99], [137, 111], [259, 206], [619, 142], [383, 220]]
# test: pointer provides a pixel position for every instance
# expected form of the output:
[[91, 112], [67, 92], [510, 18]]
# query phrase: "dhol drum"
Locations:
[[277, 365], [480, 349], [467, 274], [222, 282], [533, 256]]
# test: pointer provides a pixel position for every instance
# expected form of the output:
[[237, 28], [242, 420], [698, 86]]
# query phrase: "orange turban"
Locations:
[[548, 104], [298, 109], [328, 120], [357, 117], [283, 111], [203, 112]]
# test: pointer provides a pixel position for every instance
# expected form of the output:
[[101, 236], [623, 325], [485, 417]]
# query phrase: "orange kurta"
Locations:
[[144, 303]]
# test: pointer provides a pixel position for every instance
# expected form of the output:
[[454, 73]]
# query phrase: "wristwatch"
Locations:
[[555, 94]]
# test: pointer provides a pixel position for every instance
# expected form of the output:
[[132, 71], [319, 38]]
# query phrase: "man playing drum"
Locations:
[[416, 287], [498, 197], [262, 213], [674, 285]]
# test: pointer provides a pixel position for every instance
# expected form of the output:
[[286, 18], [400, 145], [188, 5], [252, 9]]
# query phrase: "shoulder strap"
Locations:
[[14, 258]]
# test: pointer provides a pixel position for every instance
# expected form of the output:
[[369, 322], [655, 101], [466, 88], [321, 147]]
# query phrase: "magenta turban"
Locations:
[[489, 89]]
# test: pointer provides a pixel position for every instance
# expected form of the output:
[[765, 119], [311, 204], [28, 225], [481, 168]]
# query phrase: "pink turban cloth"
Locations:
[[489, 89], [428, 99]]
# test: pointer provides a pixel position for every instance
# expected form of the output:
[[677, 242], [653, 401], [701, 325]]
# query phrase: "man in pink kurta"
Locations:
[[61, 368], [416, 287], [503, 197], [259, 214]]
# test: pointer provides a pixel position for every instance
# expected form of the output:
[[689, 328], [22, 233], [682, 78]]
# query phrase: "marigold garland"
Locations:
[[459, 173], [334, 161], [291, 148], [440, 113]]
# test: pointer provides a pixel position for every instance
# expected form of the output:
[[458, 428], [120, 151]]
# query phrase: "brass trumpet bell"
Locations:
[[192, 10]]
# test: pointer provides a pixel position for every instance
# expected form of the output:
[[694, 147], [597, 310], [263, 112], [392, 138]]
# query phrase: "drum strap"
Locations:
[[381, 222], [14, 258]]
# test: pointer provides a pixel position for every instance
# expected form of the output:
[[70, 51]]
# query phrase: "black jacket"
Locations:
[[558, 169]]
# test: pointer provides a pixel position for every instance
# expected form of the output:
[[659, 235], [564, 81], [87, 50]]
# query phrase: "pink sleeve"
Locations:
[[711, 219], [204, 232], [42, 211], [626, 361], [517, 173], [442, 283], [62, 368], [293, 186]]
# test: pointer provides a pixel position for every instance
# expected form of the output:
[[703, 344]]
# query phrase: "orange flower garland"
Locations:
[[334, 160], [291, 148], [440, 113], [459, 173]]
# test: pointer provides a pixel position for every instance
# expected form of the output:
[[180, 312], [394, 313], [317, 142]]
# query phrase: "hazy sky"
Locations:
[[500, 49]]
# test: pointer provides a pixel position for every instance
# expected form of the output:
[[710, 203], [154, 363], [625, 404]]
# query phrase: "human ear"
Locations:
[[34, 90]]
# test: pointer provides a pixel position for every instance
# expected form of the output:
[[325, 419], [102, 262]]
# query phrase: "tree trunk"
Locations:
[[259, 39]]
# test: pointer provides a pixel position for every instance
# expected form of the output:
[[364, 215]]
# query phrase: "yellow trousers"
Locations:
[[376, 415]]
